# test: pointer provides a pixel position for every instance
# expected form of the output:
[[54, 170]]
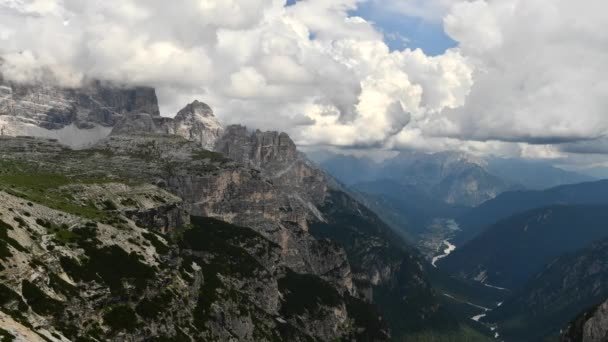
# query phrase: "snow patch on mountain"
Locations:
[[70, 135]]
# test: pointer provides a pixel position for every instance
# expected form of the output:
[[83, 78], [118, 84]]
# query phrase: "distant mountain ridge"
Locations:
[[442, 174], [534, 174], [452, 177], [545, 248], [566, 286], [513, 202], [512, 250]]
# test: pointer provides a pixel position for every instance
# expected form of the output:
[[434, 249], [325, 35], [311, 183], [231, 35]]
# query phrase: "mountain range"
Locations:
[[544, 256], [119, 224], [534, 174], [568, 285], [430, 198], [512, 250], [510, 203], [452, 177]]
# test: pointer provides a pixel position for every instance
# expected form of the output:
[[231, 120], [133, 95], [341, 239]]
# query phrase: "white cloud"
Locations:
[[540, 71], [527, 74], [310, 68]]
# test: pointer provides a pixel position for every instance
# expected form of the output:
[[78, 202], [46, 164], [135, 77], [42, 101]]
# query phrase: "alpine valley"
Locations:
[[521, 255]]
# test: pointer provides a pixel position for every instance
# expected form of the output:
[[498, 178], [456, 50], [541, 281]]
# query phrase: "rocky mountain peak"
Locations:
[[196, 109], [276, 156], [257, 149], [196, 122]]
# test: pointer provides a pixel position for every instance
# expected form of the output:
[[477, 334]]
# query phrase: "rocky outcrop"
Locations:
[[278, 159], [195, 122], [80, 117], [596, 328], [380, 262], [261, 150], [591, 326]]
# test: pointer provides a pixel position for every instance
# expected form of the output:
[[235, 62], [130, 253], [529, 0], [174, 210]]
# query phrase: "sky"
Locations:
[[516, 78]]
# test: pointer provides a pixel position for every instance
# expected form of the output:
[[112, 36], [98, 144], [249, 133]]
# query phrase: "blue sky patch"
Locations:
[[407, 32], [401, 31]]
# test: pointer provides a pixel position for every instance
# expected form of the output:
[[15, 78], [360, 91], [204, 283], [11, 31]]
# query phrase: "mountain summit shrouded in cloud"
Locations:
[[526, 78]]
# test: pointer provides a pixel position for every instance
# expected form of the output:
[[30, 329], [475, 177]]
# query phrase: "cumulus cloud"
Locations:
[[528, 77], [540, 74], [311, 68]]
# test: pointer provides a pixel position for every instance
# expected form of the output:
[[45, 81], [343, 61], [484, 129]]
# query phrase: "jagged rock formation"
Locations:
[[77, 117], [388, 273], [296, 282], [591, 326], [81, 117], [277, 158], [91, 250], [195, 122]]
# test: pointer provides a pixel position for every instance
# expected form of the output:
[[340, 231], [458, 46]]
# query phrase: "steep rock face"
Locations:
[[80, 117], [591, 326], [212, 280], [141, 123], [278, 159], [214, 186], [386, 271], [195, 122], [77, 117], [257, 149]]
